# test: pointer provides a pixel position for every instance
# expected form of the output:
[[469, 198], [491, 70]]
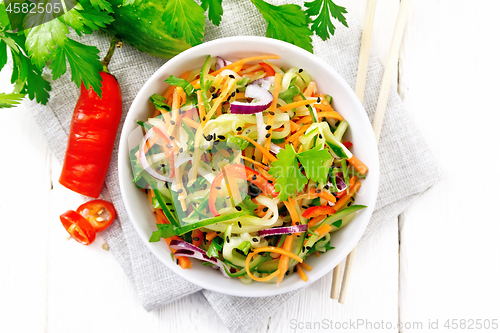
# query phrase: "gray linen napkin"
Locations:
[[407, 166]]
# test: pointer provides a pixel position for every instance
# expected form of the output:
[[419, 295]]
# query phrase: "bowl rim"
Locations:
[[123, 169]]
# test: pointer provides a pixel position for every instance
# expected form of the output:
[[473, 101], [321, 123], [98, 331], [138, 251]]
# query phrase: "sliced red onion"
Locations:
[[341, 185], [265, 82], [275, 148], [221, 63], [284, 230], [262, 95], [185, 249], [144, 162]]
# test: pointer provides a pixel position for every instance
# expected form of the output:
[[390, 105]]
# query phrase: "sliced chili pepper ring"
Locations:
[[99, 213], [78, 227]]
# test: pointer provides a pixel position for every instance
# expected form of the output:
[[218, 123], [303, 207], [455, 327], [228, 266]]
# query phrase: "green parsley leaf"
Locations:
[[102, 4], [3, 54], [289, 178], [312, 160], [175, 81], [214, 248], [186, 19], [324, 10], [164, 231], [83, 61], [9, 100], [84, 18], [215, 10], [26, 77], [43, 39], [288, 23], [159, 102], [286, 170]]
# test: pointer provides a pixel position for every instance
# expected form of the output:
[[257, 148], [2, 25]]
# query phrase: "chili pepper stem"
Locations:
[[115, 42]]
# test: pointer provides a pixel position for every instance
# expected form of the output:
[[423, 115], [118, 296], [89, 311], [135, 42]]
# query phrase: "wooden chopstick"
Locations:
[[378, 118], [364, 55], [390, 67]]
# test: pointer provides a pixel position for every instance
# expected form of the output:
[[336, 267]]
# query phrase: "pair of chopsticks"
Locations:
[[340, 292]]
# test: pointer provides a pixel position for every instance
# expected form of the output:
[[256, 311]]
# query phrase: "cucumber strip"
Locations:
[[289, 93], [254, 265], [339, 132]]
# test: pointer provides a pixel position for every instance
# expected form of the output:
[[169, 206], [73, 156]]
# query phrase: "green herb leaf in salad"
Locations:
[[289, 177], [175, 81]]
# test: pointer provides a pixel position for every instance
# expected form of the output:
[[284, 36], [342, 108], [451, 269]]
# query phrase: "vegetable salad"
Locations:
[[247, 169]]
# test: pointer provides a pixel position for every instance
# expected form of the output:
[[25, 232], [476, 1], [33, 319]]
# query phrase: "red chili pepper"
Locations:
[[347, 144], [317, 211], [92, 136], [269, 70], [78, 227], [236, 170], [99, 213]]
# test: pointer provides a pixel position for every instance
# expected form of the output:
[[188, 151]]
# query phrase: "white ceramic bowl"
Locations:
[[328, 82]]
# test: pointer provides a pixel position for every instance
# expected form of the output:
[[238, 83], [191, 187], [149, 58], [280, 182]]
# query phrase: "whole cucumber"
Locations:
[[142, 27]]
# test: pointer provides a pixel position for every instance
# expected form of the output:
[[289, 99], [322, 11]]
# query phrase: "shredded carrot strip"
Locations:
[[315, 220], [360, 166], [271, 249], [170, 91], [211, 235], [322, 194], [317, 253], [259, 147], [294, 105], [243, 61], [302, 275], [324, 107], [251, 69], [298, 133], [306, 266], [265, 167], [219, 110], [265, 174], [323, 230], [293, 212], [342, 201], [310, 89], [175, 108], [293, 126], [190, 122], [329, 114], [284, 260], [240, 96]]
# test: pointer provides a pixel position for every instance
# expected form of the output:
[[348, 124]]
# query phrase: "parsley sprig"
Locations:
[[288, 174], [324, 10], [49, 44]]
